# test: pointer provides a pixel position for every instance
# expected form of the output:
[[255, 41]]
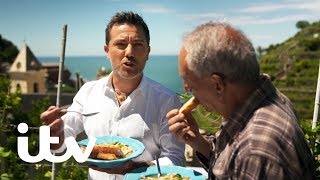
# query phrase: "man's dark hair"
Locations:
[[130, 18]]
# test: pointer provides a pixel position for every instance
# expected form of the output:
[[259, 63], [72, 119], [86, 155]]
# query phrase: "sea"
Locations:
[[160, 68]]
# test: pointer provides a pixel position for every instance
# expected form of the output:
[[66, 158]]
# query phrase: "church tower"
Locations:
[[27, 74]]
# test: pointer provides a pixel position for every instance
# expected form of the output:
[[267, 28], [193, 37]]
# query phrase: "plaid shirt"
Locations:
[[261, 140]]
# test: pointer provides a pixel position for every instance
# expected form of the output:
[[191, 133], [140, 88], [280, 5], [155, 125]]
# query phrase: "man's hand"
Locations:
[[52, 118], [183, 127], [123, 169]]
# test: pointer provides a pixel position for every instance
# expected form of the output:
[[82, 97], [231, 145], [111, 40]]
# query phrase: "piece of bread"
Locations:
[[105, 151], [110, 149], [106, 156], [189, 105]]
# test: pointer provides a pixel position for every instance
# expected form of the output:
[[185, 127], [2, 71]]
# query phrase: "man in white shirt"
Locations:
[[125, 103]]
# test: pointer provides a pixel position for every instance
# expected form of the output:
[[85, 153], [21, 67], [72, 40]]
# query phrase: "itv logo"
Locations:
[[45, 140]]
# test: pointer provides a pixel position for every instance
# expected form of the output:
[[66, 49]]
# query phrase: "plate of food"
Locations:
[[112, 151], [168, 172]]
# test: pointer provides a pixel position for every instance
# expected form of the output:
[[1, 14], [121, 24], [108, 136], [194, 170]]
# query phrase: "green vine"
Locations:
[[313, 138]]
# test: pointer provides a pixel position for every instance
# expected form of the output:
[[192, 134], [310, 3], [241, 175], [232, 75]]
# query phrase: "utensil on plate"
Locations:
[[83, 114], [158, 166]]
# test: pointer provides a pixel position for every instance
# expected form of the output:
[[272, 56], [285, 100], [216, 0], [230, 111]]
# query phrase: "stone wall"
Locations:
[[29, 82]]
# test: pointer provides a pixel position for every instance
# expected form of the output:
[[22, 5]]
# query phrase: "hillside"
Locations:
[[293, 66], [8, 51]]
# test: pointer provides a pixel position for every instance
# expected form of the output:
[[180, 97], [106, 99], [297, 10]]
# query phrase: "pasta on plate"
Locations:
[[166, 177]]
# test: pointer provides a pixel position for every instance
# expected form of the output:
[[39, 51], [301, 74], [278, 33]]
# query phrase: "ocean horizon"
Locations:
[[160, 68]]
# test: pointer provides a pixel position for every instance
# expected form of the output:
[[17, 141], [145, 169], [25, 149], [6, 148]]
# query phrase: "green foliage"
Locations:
[[67, 89], [260, 50], [67, 170], [72, 170], [12, 166], [8, 101], [38, 106], [4, 153], [313, 137], [302, 24], [293, 66], [208, 121], [312, 44], [16, 167], [8, 51], [6, 176], [42, 171]]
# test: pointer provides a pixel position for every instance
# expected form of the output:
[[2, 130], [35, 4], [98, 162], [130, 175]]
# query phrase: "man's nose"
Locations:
[[129, 51], [186, 87]]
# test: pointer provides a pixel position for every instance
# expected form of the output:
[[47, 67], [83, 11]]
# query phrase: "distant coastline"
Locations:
[[161, 68]]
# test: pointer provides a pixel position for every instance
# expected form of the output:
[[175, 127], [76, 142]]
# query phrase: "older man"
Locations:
[[260, 136]]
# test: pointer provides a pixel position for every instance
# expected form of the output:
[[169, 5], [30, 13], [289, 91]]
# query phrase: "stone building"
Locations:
[[35, 80], [27, 74]]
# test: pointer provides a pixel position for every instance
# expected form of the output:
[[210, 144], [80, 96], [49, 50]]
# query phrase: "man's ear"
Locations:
[[149, 49], [106, 49], [219, 84]]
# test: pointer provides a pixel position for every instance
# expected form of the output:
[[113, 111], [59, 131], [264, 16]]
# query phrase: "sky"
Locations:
[[39, 23]]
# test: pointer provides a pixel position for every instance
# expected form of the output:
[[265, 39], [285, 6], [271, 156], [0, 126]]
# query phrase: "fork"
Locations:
[[83, 114], [158, 166]]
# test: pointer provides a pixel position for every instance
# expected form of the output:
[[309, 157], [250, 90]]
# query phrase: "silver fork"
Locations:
[[158, 166], [83, 114]]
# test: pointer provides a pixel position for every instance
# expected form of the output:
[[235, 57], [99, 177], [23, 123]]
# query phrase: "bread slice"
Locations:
[[189, 105]]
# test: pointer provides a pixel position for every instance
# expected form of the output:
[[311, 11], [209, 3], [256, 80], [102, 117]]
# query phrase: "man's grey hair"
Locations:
[[219, 48]]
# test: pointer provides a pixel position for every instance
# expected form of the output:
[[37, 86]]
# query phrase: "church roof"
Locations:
[[25, 61]]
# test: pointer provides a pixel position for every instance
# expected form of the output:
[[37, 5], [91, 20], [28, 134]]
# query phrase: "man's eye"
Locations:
[[138, 44], [121, 45]]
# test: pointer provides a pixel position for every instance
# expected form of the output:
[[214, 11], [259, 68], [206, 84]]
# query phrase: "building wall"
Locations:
[[18, 65], [27, 80], [22, 83]]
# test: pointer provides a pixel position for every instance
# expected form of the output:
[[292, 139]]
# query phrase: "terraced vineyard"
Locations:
[[293, 65]]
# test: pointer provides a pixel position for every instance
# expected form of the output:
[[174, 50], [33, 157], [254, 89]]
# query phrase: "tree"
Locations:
[[8, 51], [302, 24], [260, 50]]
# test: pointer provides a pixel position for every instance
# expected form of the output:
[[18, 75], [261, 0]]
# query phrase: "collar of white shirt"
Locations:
[[142, 86]]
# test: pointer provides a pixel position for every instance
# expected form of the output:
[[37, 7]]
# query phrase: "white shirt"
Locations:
[[142, 116]]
